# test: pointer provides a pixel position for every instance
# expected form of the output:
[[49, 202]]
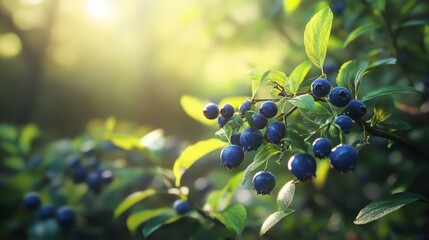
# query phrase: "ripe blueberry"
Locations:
[[46, 211], [72, 160], [107, 176], [78, 174], [320, 87], [221, 121], [322, 147], [231, 156], [211, 111], [275, 132], [343, 158], [259, 121], [251, 139], [94, 182], [340, 96], [268, 109], [31, 200], [227, 111], [302, 166], [182, 207], [65, 216], [345, 123], [356, 109], [245, 106], [235, 139], [263, 182]]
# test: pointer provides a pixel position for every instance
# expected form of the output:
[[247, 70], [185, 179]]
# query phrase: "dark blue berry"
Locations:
[[268, 109], [320, 87], [251, 139], [231, 156], [245, 106], [340, 96], [211, 111], [46, 211], [356, 109], [31, 200], [72, 160], [227, 111], [65, 216], [329, 68], [182, 207], [107, 176], [235, 139], [93, 161], [343, 158], [276, 131], [345, 123], [264, 182], [302, 166], [259, 121], [94, 182], [338, 7], [78, 174], [221, 121], [322, 147]]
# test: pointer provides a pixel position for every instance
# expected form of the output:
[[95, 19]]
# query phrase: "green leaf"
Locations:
[[303, 102], [378, 4], [395, 124], [278, 77], [193, 153], [136, 219], [415, 22], [126, 142], [361, 30], [257, 75], [14, 162], [8, 132], [286, 194], [298, 75], [194, 108], [382, 62], [273, 219], [385, 205], [28, 134], [289, 6], [316, 36], [426, 38], [265, 153], [233, 217], [155, 223], [389, 90], [131, 200], [224, 196], [350, 75]]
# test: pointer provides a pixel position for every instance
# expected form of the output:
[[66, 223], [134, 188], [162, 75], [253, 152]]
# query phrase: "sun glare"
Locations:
[[99, 9]]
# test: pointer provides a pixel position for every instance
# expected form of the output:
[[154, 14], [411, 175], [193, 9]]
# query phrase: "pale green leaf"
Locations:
[[298, 75], [361, 30], [289, 6], [131, 200], [138, 218], [303, 102], [389, 90], [233, 217], [322, 171], [385, 205], [224, 196], [193, 153], [316, 36], [257, 75], [273, 219], [126, 142], [194, 108], [285, 195], [28, 134]]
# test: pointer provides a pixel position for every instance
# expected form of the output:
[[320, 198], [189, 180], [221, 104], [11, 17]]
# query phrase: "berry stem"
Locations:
[[406, 143]]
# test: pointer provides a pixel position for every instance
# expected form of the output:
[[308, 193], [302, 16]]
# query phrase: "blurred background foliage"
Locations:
[[66, 66]]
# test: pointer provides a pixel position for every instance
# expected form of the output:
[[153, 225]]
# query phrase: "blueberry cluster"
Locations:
[[261, 126], [94, 175], [65, 215]]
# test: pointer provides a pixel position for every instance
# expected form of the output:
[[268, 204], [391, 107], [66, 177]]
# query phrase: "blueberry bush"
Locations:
[[331, 146]]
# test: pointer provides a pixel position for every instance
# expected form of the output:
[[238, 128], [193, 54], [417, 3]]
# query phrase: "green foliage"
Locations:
[[131, 200], [233, 217], [389, 90], [138, 218], [298, 75]]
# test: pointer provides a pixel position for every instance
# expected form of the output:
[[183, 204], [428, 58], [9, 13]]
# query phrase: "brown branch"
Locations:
[[406, 143]]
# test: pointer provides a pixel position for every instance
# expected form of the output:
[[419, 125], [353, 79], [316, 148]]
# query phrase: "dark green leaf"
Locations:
[[155, 223], [233, 217], [395, 124], [273, 219], [389, 90], [382, 62], [298, 75], [316, 36], [415, 22], [426, 38], [264, 154], [136, 219], [361, 30], [385, 205], [378, 4], [303, 102], [286, 194], [350, 75]]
